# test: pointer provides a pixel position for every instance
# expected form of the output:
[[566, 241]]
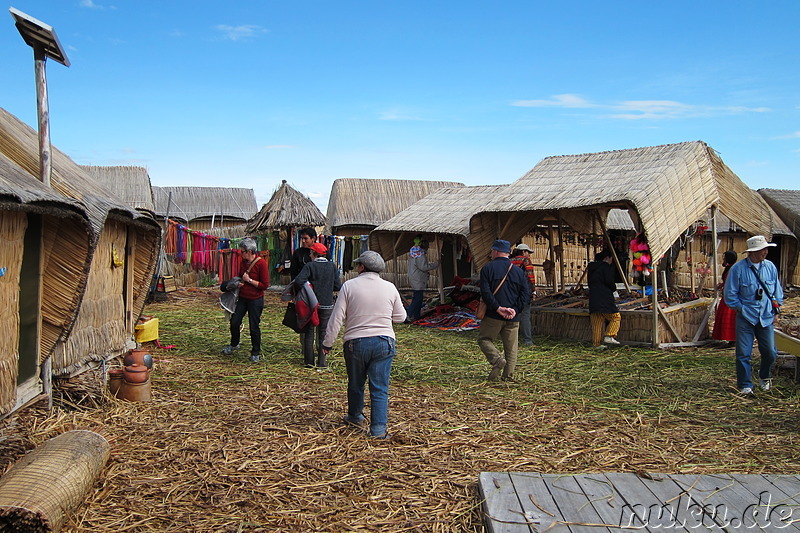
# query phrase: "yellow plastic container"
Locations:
[[147, 330]]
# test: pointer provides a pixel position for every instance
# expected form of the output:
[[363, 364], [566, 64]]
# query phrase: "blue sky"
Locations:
[[247, 93]]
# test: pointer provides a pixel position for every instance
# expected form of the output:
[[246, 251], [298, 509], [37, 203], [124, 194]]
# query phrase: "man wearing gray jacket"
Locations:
[[418, 273]]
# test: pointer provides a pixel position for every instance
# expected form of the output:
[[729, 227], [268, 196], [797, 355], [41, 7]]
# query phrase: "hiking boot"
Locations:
[[497, 367], [228, 350], [765, 384], [610, 340], [254, 358]]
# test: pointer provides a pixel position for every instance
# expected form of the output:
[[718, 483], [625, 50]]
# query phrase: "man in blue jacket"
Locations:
[[505, 289], [754, 292]]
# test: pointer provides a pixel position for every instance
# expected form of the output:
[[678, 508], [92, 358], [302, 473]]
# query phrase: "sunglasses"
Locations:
[[759, 294]]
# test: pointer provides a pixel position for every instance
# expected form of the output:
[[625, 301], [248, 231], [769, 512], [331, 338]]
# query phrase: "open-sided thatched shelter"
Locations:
[[122, 252], [45, 256], [203, 208], [665, 189], [786, 203], [443, 218], [128, 183], [358, 205]]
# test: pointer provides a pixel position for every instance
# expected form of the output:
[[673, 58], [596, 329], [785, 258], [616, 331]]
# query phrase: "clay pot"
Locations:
[[115, 378], [136, 373], [135, 392], [138, 356]]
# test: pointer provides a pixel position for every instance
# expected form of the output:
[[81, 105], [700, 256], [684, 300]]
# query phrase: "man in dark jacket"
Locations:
[[602, 308], [505, 289], [324, 278]]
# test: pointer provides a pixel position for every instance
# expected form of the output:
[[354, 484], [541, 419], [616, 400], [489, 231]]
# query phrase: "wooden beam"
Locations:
[[667, 322], [704, 322]]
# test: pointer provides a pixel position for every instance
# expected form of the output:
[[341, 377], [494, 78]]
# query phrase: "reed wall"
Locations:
[[12, 235]]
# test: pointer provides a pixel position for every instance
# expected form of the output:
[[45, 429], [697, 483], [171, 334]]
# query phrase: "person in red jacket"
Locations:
[[255, 278]]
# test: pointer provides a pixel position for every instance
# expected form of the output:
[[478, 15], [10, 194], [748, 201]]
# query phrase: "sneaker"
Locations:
[[254, 358], [610, 340], [746, 391], [601, 347], [497, 367], [228, 350], [765, 384], [381, 437]]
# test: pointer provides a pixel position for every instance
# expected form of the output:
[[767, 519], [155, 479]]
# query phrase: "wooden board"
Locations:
[[520, 502]]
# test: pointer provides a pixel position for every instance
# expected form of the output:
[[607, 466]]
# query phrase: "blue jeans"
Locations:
[[415, 308], [369, 357], [745, 333], [253, 309]]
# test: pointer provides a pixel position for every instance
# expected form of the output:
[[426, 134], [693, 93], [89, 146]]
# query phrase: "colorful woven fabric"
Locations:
[[460, 320]]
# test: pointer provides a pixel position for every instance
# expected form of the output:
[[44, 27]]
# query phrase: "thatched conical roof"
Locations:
[[666, 187], [129, 183], [191, 203], [371, 202], [286, 208], [445, 211]]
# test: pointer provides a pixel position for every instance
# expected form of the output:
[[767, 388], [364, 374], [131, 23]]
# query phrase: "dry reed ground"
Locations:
[[226, 445]]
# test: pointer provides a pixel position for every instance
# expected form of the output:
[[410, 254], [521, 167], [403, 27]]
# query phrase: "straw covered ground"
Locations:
[[226, 445]]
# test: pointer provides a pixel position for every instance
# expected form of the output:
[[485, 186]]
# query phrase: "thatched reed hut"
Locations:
[[442, 217], [276, 224], [122, 253], [44, 258], [786, 203], [665, 189], [130, 184], [203, 208], [359, 205]]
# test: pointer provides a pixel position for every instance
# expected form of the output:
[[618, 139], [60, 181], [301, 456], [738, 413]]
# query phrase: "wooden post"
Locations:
[[43, 112], [714, 246], [439, 272], [690, 247], [562, 285], [613, 251], [552, 254], [654, 284]]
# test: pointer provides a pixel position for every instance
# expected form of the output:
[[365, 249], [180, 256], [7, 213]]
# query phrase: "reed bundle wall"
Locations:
[[146, 243], [12, 235], [65, 249], [100, 329], [636, 326]]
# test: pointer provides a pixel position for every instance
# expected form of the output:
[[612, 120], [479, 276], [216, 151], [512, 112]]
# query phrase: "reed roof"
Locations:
[[18, 186], [786, 204], [371, 202], [129, 183], [190, 203], [20, 143], [287, 207], [445, 211], [667, 188]]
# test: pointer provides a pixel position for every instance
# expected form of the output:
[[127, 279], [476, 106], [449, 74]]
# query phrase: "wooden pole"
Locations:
[[692, 263], [654, 284], [715, 247], [439, 272], [613, 251], [562, 285], [552, 254], [43, 113]]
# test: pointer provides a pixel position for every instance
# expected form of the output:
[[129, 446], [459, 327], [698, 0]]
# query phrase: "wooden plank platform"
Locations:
[[529, 502]]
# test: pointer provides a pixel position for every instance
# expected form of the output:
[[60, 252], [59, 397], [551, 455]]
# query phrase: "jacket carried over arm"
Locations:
[[259, 273], [324, 277]]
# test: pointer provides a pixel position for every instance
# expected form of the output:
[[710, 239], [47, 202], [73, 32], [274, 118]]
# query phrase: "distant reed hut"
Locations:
[[122, 252], [130, 184], [665, 190], [359, 205], [277, 222], [204, 208], [786, 203]]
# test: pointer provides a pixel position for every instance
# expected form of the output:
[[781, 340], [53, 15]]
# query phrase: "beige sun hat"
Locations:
[[759, 242]]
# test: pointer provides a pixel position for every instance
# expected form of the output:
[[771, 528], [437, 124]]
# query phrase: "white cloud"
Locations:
[[640, 109], [278, 146], [240, 33], [91, 5], [795, 135], [558, 100]]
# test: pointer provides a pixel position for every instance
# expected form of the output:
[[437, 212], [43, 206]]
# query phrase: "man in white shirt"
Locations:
[[367, 306]]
